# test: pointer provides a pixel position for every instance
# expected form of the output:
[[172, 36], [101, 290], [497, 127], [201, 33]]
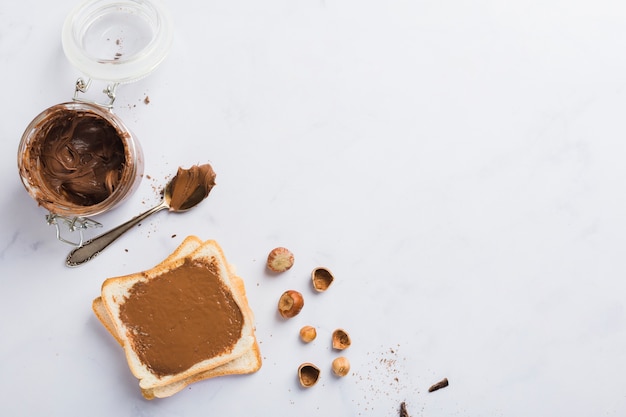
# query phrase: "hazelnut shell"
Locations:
[[341, 339], [321, 278], [308, 374]]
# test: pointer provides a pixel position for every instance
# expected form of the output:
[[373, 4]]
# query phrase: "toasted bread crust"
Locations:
[[248, 363]]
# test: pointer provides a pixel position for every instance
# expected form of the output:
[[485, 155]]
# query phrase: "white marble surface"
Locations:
[[459, 166]]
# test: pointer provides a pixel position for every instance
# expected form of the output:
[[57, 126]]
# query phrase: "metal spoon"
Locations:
[[93, 247]]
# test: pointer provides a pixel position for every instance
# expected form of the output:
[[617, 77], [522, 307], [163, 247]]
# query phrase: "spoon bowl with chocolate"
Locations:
[[186, 190]]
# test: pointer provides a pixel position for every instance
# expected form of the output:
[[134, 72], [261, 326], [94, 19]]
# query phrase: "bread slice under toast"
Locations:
[[243, 358]]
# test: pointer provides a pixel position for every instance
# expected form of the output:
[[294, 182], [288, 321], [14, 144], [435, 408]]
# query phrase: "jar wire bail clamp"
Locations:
[[73, 224], [82, 86]]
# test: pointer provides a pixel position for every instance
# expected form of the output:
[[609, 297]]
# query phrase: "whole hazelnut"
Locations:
[[280, 259], [290, 304], [308, 334], [341, 366]]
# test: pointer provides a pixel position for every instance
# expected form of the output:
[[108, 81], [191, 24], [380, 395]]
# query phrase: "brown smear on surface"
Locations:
[[191, 186], [181, 317]]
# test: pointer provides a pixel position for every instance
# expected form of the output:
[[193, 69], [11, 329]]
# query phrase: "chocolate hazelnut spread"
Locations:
[[191, 186], [79, 159], [80, 155], [181, 317]]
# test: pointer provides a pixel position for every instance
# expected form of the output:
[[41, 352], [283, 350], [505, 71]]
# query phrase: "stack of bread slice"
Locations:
[[240, 356]]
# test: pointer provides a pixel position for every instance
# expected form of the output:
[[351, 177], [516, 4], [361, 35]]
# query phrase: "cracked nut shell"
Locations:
[[290, 304], [308, 374], [341, 366], [280, 260], [322, 278], [341, 339]]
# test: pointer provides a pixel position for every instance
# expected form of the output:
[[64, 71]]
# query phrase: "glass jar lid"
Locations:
[[118, 41]]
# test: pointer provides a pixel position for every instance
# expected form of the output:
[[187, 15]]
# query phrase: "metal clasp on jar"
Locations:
[[83, 85], [73, 224]]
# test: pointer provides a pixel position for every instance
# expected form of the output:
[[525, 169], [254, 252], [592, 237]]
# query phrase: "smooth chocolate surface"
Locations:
[[192, 185], [181, 317], [80, 155]]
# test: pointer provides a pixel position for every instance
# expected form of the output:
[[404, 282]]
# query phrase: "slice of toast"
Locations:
[[244, 357]]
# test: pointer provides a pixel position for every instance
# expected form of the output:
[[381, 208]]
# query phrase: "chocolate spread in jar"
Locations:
[[80, 156], [181, 317], [191, 186]]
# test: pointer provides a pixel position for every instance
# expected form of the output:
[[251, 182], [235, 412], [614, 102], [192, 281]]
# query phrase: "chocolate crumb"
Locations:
[[441, 384], [173, 236], [146, 100], [125, 250], [403, 410]]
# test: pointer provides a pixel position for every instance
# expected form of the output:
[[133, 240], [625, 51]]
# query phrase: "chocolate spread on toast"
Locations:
[[181, 317]]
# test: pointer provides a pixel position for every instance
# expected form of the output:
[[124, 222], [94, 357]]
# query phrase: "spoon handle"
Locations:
[[93, 247]]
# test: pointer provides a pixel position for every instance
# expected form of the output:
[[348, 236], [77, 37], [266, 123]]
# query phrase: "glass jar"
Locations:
[[78, 159]]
